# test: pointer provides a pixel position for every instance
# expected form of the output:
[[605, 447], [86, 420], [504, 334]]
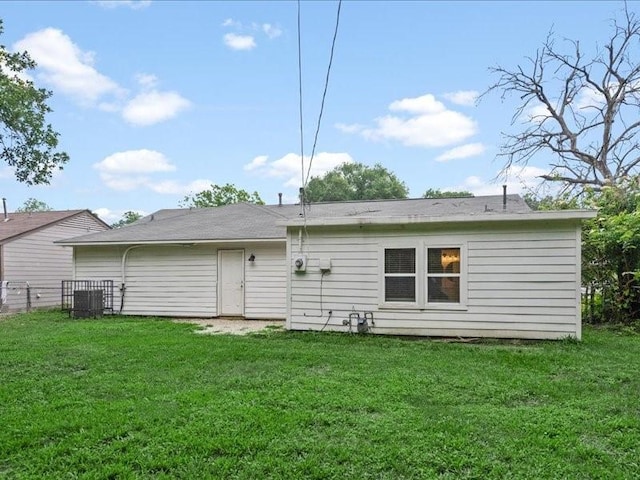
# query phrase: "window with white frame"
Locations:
[[443, 275], [400, 275]]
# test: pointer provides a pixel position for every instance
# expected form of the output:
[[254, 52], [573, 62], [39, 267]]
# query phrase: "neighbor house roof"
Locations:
[[22, 223], [244, 221]]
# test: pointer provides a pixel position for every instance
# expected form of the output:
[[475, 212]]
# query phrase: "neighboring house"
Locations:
[[483, 266], [30, 258]]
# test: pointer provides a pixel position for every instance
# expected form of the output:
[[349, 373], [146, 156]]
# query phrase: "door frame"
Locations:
[[220, 273]]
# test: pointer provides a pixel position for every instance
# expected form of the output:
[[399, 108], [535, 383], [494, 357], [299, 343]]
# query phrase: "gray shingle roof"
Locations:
[[243, 221]]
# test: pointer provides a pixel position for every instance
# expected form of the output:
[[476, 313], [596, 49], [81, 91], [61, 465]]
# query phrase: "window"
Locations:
[[423, 274], [443, 275], [400, 275]]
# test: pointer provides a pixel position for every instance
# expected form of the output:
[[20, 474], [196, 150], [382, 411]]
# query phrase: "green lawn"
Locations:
[[143, 398]]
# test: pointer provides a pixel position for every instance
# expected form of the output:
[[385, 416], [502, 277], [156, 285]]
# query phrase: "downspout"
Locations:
[[123, 269]]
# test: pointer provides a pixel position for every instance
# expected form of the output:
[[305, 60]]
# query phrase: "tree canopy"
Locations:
[[34, 205], [218, 196], [355, 181], [127, 218], [581, 108], [437, 193], [27, 142]]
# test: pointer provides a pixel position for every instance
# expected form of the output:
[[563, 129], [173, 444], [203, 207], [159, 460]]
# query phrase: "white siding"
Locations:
[[34, 258], [172, 281], [265, 282], [181, 281], [521, 282]]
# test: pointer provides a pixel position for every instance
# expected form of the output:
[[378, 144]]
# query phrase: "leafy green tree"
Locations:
[[127, 218], [355, 181], [27, 142], [218, 196], [611, 254], [549, 202], [34, 205], [437, 193]]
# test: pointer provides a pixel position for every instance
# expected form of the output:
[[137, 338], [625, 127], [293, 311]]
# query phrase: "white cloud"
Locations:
[[465, 98], [239, 42], [66, 67], [135, 161], [148, 108], [230, 22], [463, 151], [132, 170], [271, 31], [430, 130], [123, 183], [256, 163], [537, 114], [171, 187], [132, 4], [289, 167], [111, 216], [424, 104], [518, 180], [146, 80], [62, 64], [427, 123]]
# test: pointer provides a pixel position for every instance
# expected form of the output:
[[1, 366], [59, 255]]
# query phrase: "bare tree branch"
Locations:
[[591, 108]]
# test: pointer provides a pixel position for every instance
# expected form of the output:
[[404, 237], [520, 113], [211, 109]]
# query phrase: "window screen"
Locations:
[[400, 275]]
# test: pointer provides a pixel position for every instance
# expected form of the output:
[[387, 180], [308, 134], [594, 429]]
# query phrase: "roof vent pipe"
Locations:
[[279, 199], [504, 197], [4, 206]]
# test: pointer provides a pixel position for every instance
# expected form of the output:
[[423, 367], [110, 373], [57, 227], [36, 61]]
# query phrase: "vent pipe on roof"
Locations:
[[4, 206], [504, 197], [280, 199]]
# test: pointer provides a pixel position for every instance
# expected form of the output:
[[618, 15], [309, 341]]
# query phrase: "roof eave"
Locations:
[[71, 243], [567, 215]]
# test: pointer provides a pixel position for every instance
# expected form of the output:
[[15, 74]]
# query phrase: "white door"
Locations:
[[231, 282]]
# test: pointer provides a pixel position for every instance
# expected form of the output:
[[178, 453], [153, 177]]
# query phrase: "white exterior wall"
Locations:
[[34, 258], [181, 281], [266, 282], [517, 281]]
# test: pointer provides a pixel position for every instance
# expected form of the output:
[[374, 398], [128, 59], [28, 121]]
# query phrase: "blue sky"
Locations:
[[155, 100]]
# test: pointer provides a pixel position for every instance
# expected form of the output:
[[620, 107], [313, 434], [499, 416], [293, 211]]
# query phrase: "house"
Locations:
[[483, 266], [31, 265]]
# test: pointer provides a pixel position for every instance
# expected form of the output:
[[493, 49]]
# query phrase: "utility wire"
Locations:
[[324, 93], [300, 101]]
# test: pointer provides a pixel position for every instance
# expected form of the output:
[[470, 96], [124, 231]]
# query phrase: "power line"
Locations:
[[300, 100], [324, 93]]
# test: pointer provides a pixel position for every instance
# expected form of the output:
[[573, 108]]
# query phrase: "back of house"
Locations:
[[483, 266]]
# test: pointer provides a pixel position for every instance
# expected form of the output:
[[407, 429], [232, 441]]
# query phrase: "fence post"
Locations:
[[28, 297]]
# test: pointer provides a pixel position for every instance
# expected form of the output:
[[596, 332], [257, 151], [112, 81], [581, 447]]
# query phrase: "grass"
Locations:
[[146, 398]]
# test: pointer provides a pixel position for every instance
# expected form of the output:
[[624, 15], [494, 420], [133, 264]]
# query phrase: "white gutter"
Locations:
[[575, 215], [71, 243]]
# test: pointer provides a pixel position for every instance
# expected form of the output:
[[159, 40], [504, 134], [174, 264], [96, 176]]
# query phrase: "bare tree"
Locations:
[[586, 111]]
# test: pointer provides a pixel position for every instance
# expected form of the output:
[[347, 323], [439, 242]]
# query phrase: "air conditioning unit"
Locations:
[[300, 263]]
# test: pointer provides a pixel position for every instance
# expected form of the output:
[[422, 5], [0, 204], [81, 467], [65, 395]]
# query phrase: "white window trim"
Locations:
[[463, 275], [421, 274], [382, 303]]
